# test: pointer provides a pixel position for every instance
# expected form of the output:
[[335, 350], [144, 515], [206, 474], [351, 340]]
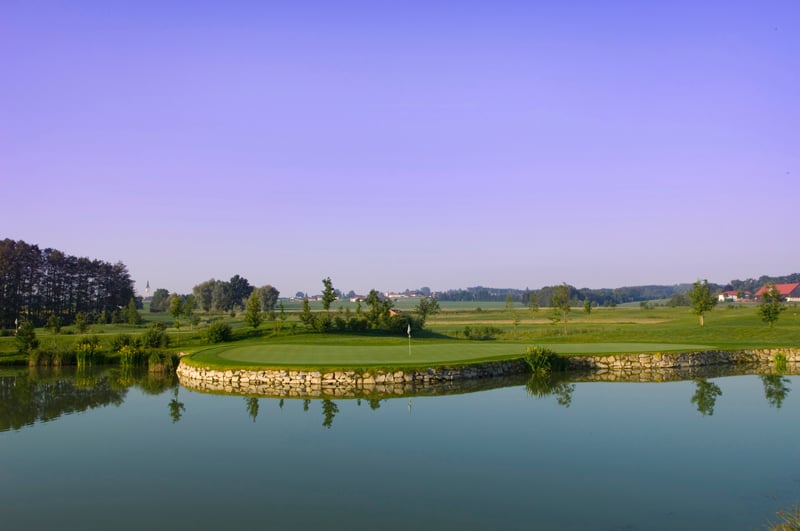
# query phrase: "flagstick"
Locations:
[[409, 339]]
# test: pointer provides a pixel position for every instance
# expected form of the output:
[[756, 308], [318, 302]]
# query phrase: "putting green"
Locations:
[[421, 353]]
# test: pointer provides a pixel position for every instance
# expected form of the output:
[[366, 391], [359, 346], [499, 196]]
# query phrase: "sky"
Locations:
[[395, 145]]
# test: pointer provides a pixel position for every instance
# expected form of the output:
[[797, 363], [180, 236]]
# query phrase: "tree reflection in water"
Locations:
[[329, 411], [541, 385], [776, 388], [705, 396], [252, 407], [40, 395], [176, 407]]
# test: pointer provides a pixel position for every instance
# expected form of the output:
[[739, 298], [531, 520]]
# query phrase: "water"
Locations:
[[135, 453]]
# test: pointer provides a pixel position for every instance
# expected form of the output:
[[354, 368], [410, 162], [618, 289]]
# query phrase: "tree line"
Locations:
[[36, 284], [544, 295]]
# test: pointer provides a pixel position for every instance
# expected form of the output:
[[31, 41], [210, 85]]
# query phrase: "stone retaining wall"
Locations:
[[295, 383], [681, 360]]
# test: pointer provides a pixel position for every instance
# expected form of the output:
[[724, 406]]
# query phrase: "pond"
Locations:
[[113, 450]]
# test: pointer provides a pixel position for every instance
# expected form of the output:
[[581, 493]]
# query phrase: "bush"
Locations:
[[130, 356], [780, 362], [543, 360], [481, 333], [158, 362], [155, 336], [26, 337], [219, 333], [55, 357], [86, 350], [121, 340]]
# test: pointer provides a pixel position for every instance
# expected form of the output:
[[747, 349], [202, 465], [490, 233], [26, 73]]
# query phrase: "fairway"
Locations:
[[398, 355]]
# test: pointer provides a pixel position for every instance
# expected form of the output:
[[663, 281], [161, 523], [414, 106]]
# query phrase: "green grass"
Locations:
[[395, 352], [604, 331]]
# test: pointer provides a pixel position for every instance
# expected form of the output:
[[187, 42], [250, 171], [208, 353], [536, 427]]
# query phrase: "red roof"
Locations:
[[783, 289]]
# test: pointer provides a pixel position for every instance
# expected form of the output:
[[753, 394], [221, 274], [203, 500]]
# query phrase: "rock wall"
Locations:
[[295, 383], [682, 360], [350, 383]]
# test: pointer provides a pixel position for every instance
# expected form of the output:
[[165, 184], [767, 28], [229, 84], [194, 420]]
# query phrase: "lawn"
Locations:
[[397, 353], [603, 331]]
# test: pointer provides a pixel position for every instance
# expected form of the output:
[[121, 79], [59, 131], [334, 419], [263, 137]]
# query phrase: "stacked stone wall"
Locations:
[[348, 383]]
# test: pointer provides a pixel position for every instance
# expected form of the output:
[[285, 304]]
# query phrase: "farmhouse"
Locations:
[[790, 292], [734, 296], [728, 296]]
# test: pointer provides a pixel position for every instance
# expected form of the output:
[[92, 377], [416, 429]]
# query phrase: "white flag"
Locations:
[[409, 330]]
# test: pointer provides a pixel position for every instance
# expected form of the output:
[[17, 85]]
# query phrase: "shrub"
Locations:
[[86, 349], [158, 362], [780, 362], [26, 337], [155, 336], [543, 360], [119, 341], [219, 333], [481, 333], [130, 356]]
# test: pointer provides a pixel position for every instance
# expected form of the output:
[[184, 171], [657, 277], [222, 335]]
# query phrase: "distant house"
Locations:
[[734, 296], [790, 292], [729, 296]]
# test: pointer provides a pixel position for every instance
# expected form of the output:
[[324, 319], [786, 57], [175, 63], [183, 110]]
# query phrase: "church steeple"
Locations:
[[147, 290]]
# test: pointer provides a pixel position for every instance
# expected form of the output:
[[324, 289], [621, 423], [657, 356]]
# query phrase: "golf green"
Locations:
[[422, 353]]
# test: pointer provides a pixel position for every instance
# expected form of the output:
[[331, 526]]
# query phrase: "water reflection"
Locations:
[[705, 396], [35, 395], [551, 384], [252, 407], [39, 395], [176, 407], [776, 388]]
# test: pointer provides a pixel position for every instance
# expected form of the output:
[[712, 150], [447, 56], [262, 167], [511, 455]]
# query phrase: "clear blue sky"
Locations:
[[403, 144]]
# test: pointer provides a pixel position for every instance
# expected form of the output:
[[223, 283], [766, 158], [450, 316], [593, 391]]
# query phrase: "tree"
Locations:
[[26, 337], [509, 302], [252, 314], [771, 305], [282, 313], [702, 300], [175, 305], [328, 293], [587, 306], [426, 307], [533, 302], [54, 324], [240, 289], [306, 316], [222, 296], [561, 304], [269, 297], [160, 300], [379, 309], [189, 304], [81, 322], [133, 314], [204, 293]]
